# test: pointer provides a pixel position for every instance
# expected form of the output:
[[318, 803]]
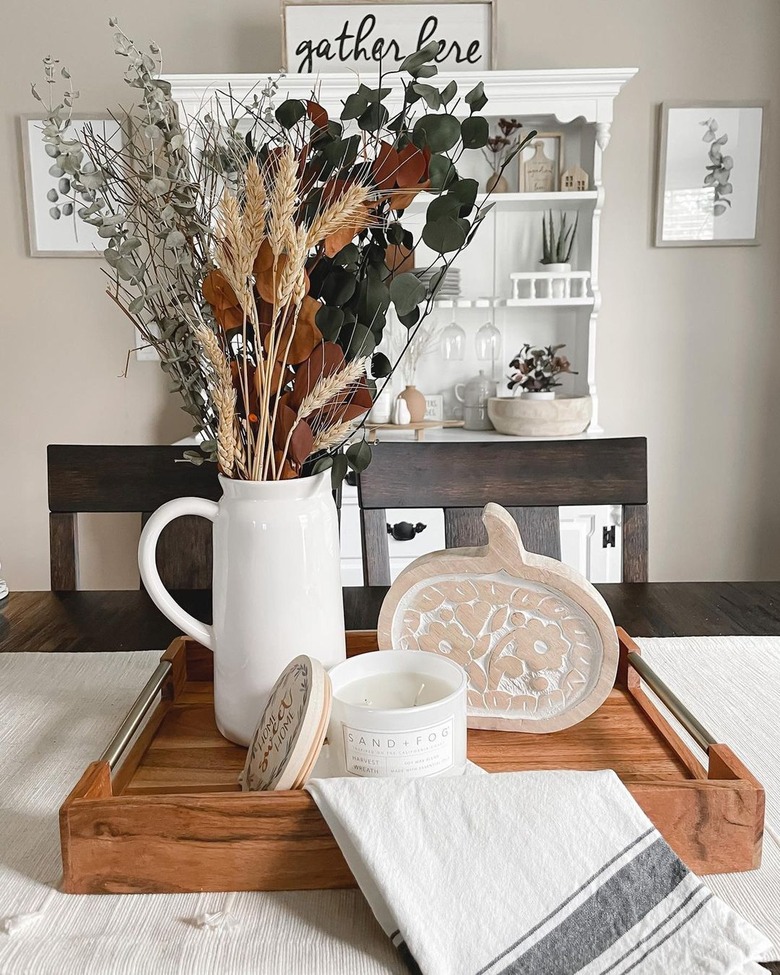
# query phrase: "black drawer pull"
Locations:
[[404, 531]]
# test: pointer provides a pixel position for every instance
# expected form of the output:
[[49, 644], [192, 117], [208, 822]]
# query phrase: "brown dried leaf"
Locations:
[[218, 292]]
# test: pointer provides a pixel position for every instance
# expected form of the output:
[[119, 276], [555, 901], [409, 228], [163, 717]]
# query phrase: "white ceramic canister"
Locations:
[[276, 587]]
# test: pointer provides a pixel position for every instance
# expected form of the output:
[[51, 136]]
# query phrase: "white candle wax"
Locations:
[[395, 691], [398, 713]]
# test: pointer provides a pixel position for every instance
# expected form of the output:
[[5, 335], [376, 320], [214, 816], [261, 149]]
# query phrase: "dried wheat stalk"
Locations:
[[283, 201], [231, 253], [229, 449], [327, 387], [333, 435], [348, 210], [255, 205]]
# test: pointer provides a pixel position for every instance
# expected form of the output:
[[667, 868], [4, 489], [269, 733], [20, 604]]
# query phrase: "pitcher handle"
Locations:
[[458, 395], [147, 564]]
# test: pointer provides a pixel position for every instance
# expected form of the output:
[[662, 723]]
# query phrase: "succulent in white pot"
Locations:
[[557, 247]]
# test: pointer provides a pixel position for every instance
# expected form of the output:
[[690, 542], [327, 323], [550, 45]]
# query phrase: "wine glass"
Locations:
[[488, 343], [453, 343]]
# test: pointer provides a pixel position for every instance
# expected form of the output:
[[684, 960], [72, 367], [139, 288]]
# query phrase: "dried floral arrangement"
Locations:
[[259, 248], [537, 368]]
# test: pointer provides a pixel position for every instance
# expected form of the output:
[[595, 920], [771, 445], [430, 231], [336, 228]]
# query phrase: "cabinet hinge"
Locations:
[[608, 536]]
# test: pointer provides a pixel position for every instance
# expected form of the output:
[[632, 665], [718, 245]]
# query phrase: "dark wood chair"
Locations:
[[129, 479], [530, 478]]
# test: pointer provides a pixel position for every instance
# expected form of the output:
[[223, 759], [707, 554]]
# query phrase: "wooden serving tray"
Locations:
[[169, 817]]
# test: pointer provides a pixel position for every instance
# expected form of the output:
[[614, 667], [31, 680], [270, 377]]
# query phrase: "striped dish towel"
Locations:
[[530, 873]]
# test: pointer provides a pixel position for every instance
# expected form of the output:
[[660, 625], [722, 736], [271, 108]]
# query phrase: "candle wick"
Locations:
[[417, 698]]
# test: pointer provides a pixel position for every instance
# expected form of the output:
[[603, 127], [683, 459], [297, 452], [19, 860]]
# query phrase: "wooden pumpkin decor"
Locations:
[[535, 637]]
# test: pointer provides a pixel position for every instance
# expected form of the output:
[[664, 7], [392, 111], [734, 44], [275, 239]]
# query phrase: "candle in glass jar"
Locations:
[[398, 713], [400, 691]]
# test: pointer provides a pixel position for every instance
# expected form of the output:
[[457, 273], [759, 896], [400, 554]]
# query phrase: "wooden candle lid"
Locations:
[[291, 729]]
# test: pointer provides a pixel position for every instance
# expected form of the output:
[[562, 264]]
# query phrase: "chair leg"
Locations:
[[63, 551]]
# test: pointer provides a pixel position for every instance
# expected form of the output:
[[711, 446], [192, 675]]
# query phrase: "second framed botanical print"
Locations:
[[709, 173]]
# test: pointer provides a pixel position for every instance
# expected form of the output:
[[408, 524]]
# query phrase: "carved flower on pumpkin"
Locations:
[[543, 646], [448, 639]]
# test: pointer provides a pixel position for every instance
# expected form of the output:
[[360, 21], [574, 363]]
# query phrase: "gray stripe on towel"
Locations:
[[568, 900], [666, 937], [611, 911]]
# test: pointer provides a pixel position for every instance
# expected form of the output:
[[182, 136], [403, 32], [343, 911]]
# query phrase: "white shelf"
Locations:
[[545, 302], [523, 201], [511, 302]]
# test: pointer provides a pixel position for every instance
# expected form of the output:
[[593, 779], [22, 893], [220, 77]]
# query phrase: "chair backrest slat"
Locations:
[[129, 479], [532, 479]]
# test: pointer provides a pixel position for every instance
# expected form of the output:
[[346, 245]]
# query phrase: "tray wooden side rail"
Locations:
[[161, 812]]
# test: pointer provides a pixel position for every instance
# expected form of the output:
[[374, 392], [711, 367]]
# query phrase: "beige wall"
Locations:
[[689, 340]]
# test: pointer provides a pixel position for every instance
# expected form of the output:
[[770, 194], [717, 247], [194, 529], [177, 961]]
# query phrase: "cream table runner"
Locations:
[[57, 711]]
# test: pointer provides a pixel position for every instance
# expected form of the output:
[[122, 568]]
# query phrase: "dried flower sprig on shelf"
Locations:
[[258, 247], [503, 144], [537, 368]]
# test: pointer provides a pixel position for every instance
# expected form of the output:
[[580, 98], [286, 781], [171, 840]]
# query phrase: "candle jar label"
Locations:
[[423, 751]]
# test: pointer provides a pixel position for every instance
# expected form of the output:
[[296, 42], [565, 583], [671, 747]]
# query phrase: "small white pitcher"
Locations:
[[276, 587]]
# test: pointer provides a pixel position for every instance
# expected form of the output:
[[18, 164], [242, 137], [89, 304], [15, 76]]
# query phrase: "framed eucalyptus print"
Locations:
[[709, 173], [54, 226], [351, 35]]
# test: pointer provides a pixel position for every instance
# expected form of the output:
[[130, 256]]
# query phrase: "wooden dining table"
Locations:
[[127, 620]]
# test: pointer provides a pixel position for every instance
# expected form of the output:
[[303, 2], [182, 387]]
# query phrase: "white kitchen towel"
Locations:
[[530, 873]]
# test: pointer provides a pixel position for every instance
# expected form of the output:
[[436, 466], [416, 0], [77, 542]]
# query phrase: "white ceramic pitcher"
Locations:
[[276, 587]]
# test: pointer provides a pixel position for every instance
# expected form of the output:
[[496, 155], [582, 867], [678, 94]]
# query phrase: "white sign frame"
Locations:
[[69, 236], [464, 17]]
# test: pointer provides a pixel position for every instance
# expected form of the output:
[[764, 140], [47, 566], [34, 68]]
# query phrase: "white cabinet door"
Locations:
[[591, 541], [584, 532]]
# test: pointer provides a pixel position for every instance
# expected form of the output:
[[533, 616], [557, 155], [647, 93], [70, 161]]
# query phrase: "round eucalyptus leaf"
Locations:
[[395, 234], [67, 209], [410, 320], [442, 172], [354, 106], [52, 196], [323, 464], [51, 151], [54, 213], [56, 171], [329, 322], [374, 117], [136, 305], [465, 191], [338, 287], [443, 206], [406, 292], [338, 470], [476, 99], [64, 185], [417, 59], [175, 239], [475, 132], [438, 132], [445, 235], [290, 112], [380, 365], [357, 341], [358, 456]]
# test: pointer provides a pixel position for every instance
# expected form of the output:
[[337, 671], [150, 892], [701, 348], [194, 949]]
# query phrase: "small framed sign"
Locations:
[[321, 37]]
